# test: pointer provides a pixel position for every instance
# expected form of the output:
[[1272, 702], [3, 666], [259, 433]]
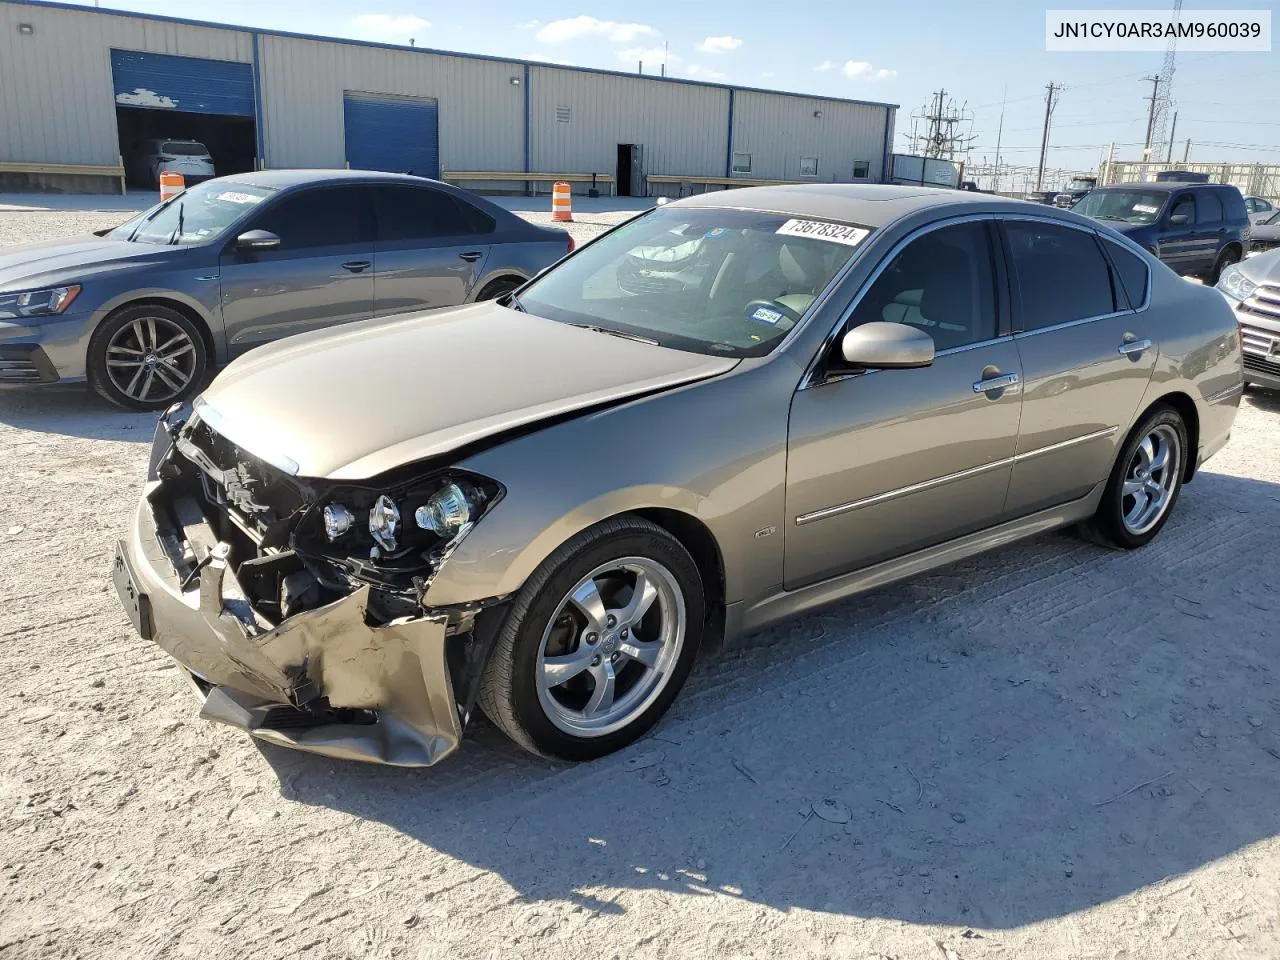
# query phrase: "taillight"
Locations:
[[572, 246]]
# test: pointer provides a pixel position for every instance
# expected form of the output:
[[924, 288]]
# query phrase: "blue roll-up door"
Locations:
[[390, 133], [182, 84]]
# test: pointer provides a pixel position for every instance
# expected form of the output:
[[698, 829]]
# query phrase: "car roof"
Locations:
[[281, 179], [1166, 185], [868, 204]]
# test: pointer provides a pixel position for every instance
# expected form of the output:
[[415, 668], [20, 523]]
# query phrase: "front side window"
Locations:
[[941, 282], [1184, 206], [808, 166], [197, 214], [324, 217], [417, 213], [1060, 272], [728, 282], [1130, 206]]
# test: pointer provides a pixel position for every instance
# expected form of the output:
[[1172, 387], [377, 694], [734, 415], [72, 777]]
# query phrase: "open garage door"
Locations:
[[391, 133], [163, 97]]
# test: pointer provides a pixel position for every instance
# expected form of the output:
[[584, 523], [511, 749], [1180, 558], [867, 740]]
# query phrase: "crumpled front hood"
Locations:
[[28, 265], [355, 401]]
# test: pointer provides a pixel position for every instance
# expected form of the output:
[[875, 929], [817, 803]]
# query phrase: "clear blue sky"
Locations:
[[899, 52]]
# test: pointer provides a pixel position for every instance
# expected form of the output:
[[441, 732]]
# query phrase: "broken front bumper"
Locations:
[[324, 680]]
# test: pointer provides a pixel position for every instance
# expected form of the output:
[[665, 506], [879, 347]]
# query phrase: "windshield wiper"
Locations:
[[1109, 217], [177, 233], [617, 333]]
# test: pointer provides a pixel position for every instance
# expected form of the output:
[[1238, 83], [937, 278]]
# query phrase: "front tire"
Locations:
[[598, 642], [147, 357], [1225, 259], [497, 288], [1144, 484]]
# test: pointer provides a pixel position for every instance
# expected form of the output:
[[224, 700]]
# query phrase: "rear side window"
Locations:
[[1134, 275], [1060, 272], [321, 217], [418, 213], [1233, 205], [1209, 207]]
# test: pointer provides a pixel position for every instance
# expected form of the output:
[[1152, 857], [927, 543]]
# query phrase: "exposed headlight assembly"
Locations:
[[1235, 284], [38, 303], [446, 510]]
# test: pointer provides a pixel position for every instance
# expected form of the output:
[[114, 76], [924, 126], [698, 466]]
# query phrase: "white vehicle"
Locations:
[[188, 157], [1259, 210]]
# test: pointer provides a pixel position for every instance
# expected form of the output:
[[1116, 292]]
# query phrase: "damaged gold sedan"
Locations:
[[709, 419]]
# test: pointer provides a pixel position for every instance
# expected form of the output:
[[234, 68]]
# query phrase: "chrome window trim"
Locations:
[[808, 379], [842, 508], [1066, 324]]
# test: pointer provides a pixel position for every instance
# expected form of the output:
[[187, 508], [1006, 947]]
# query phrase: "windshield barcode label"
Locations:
[[834, 232]]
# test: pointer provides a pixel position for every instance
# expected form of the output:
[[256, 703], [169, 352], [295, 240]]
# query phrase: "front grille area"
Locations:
[[1264, 301], [25, 363], [1261, 364]]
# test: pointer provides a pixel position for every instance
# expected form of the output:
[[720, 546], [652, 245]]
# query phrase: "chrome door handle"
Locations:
[[1134, 346], [471, 257], [356, 266], [995, 383]]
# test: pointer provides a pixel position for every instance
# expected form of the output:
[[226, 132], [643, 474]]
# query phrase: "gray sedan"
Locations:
[[729, 410], [144, 310]]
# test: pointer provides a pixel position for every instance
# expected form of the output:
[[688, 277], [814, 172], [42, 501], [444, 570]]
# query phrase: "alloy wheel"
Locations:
[[611, 646], [151, 359], [1151, 479]]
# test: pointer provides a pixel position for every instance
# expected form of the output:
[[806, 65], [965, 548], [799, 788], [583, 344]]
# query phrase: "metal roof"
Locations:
[[105, 11]]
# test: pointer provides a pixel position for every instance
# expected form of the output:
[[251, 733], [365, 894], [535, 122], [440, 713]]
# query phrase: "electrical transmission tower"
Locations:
[[1163, 105], [942, 128]]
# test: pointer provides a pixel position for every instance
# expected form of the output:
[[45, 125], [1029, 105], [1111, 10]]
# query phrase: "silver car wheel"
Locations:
[[610, 647], [151, 359], [1151, 480]]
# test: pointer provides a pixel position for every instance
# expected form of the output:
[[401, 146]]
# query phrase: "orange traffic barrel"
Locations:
[[561, 204], [171, 184]]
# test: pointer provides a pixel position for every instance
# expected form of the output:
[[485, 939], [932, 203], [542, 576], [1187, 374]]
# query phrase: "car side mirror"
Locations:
[[884, 345], [257, 240], [1179, 220]]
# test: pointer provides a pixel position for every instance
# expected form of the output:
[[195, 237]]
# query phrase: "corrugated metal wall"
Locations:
[[683, 128], [778, 130], [481, 112], [56, 97]]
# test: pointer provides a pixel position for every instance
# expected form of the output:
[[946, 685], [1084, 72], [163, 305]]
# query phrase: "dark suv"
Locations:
[[1196, 228]]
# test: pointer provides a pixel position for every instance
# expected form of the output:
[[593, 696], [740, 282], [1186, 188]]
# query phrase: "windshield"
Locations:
[[1273, 219], [184, 148], [198, 213], [709, 281], [1131, 206]]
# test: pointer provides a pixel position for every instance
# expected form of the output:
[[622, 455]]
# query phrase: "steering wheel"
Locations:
[[775, 307]]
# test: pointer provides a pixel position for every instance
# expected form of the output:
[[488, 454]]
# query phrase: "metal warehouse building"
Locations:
[[82, 88]]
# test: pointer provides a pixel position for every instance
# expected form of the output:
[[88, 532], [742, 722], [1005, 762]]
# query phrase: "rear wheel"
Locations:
[[598, 642], [1144, 484], [146, 357], [496, 288], [1225, 259]]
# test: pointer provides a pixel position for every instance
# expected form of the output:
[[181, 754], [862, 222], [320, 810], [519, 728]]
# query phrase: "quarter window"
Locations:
[[1060, 272], [1133, 271], [808, 166], [417, 213], [742, 163], [325, 217], [943, 283]]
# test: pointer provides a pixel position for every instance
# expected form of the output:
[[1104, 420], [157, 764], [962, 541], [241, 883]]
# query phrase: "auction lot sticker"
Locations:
[[834, 232]]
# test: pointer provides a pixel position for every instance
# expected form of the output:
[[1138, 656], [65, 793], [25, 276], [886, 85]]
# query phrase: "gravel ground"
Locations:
[[1050, 751]]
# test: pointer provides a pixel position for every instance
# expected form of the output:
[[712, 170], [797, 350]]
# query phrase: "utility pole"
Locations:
[[1151, 114], [1186, 153], [1044, 140], [1106, 169], [1168, 157], [995, 181]]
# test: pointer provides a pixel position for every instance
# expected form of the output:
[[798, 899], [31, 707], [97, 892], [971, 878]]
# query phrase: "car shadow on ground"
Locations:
[[1016, 737], [74, 411]]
